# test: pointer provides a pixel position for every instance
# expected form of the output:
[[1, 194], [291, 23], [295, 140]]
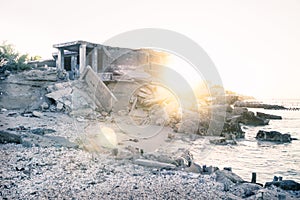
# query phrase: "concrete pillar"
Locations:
[[82, 57], [95, 59], [60, 59], [74, 66]]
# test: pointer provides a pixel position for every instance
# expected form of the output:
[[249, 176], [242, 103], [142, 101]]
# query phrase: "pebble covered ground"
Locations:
[[62, 173]]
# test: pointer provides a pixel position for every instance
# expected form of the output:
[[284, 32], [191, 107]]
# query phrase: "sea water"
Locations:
[[267, 159]]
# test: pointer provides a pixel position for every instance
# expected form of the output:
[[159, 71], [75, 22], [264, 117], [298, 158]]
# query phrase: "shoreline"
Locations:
[[76, 174], [53, 171]]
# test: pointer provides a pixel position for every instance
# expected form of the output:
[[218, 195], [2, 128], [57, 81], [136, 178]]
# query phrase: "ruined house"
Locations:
[[75, 56]]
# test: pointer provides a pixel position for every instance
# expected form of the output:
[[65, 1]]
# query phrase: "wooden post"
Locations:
[[253, 180]]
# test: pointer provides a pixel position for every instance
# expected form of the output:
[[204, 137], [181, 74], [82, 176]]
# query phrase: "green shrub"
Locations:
[[11, 60]]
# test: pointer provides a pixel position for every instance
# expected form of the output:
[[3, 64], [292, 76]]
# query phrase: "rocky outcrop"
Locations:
[[259, 105], [227, 176], [249, 118], [284, 184], [245, 190], [267, 116], [273, 136]]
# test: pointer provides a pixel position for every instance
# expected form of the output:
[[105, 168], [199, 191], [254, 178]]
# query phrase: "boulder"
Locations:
[[249, 118], [267, 116], [194, 168], [285, 185], [225, 176], [273, 136], [233, 127], [245, 190], [7, 137], [239, 110]]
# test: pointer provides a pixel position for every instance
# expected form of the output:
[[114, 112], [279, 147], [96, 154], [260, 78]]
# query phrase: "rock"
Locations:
[[44, 106], [225, 176], [7, 137], [285, 185], [104, 113], [209, 170], [228, 169], [248, 118], [194, 168], [222, 141], [273, 136], [3, 110], [258, 105], [267, 116], [19, 128], [233, 127], [59, 106], [245, 190], [32, 140], [12, 114], [37, 114], [155, 164], [42, 131], [239, 110]]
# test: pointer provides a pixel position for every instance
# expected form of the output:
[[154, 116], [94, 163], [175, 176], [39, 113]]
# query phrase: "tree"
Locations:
[[10, 59]]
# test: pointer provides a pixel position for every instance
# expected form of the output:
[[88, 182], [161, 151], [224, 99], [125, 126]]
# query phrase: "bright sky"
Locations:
[[255, 44]]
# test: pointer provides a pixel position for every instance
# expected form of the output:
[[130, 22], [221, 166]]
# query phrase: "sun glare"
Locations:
[[186, 70]]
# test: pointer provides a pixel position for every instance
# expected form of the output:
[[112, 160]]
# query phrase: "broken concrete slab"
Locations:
[[155, 164], [97, 90], [59, 94]]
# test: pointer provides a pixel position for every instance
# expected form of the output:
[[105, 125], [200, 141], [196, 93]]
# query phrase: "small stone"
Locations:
[[44, 105], [37, 114], [104, 114], [3, 110], [80, 119], [134, 140], [12, 114], [59, 106], [171, 135]]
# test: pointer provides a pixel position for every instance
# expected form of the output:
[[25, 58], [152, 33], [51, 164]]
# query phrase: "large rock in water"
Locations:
[[273, 136], [267, 116], [249, 118], [285, 184]]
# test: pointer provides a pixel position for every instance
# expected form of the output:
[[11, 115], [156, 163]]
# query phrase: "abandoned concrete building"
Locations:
[[75, 56]]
